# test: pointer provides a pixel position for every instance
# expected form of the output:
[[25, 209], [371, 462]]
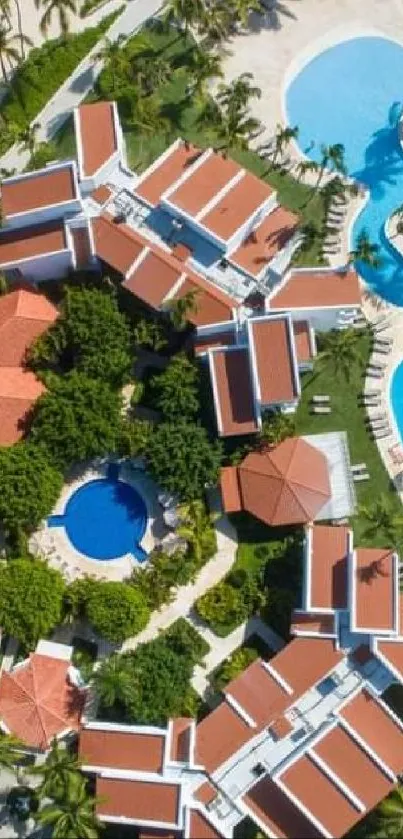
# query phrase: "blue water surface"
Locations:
[[352, 93], [105, 519], [396, 395]]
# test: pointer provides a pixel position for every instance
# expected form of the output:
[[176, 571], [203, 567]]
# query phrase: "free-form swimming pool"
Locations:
[[352, 94], [105, 519]]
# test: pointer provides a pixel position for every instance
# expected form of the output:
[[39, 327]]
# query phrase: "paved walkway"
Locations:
[[221, 648], [9, 655], [209, 576], [81, 82]]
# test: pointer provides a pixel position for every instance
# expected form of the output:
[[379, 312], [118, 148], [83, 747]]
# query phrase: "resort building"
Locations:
[[194, 222], [304, 744], [24, 316], [41, 698], [302, 479]]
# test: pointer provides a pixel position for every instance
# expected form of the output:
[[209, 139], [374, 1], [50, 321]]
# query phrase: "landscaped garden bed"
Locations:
[[237, 662]]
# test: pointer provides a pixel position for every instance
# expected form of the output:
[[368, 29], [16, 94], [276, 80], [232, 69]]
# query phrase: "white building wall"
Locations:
[[324, 319], [39, 216], [44, 267]]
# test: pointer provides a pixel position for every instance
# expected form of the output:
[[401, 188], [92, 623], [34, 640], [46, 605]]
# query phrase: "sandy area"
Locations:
[[275, 55]]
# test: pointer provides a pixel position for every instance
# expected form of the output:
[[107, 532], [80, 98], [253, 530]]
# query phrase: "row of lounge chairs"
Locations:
[[320, 404]]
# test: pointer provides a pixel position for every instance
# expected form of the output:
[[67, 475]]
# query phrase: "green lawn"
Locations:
[[347, 414], [185, 119]]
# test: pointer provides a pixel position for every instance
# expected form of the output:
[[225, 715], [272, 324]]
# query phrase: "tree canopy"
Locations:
[[116, 610], [91, 336], [31, 600], [176, 390], [78, 420], [29, 487], [182, 458]]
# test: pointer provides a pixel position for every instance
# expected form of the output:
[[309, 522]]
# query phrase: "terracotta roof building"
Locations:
[[305, 288], [24, 316], [39, 699], [303, 744], [98, 137], [54, 189], [288, 484]]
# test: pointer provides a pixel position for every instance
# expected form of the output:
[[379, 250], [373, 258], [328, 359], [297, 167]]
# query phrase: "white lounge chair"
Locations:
[[318, 399], [359, 467], [321, 409], [361, 476]]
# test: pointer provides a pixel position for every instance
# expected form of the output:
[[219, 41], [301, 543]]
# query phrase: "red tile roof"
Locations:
[[230, 489], [266, 241], [101, 194], [375, 583], [276, 810], [19, 390], [234, 391], [205, 182], [31, 242], [122, 750], [82, 246], [138, 800], [288, 484], [307, 289], [392, 651], [236, 206], [154, 277], [302, 341], [327, 583], [37, 703], [219, 735], [201, 828], [97, 137], [212, 304], [313, 623], [258, 693], [353, 766], [305, 662], [24, 315], [376, 727], [275, 370], [116, 244], [181, 739], [305, 780], [36, 190], [163, 174]]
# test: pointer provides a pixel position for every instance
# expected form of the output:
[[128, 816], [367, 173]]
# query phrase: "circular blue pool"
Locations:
[[352, 94], [105, 519]]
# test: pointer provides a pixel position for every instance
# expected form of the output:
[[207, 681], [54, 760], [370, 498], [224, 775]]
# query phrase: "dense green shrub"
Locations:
[[31, 600], [78, 420], [116, 610], [91, 336], [29, 487], [44, 71], [183, 459], [153, 683], [175, 392], [233, 667], [225, 606]]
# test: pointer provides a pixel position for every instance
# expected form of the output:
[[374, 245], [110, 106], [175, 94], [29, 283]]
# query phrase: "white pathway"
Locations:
[[221, 648], [209, 576], [77, 87]]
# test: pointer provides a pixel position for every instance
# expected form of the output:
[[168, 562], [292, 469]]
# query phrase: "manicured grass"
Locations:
[[347, 414], [185, 119]]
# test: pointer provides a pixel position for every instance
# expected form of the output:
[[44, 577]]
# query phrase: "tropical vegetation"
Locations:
[[183, 459], [72, 815], [115, 610], [31, 600], [175, 392]]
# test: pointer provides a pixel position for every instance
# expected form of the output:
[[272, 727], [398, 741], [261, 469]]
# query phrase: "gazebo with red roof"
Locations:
[[287, 484], [38, 698]]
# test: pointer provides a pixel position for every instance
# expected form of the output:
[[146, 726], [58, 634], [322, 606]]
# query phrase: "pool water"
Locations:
[[352, 94], [105, 519], [396, 396]]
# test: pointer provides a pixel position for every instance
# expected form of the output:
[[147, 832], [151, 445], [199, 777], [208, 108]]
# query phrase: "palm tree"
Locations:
[[10, 751], [59, 768], [341, 349], [196, 529], [365, 251], [391, 813], [235, 129], [73, 815], [204, 66], [112, 682], [276, 427], [146, 115], [244, 8], [282, 140], [181, 307], [58, 7], [148, 333], [304, 166], [216, 24], [185, 13], [382, 518], [237, 94], [116, 58], [8, 51], [28, 137], [332, 159], [151, 72]]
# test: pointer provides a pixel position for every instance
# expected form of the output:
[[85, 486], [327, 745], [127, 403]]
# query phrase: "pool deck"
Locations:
[[54, 544], [276, 55]]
